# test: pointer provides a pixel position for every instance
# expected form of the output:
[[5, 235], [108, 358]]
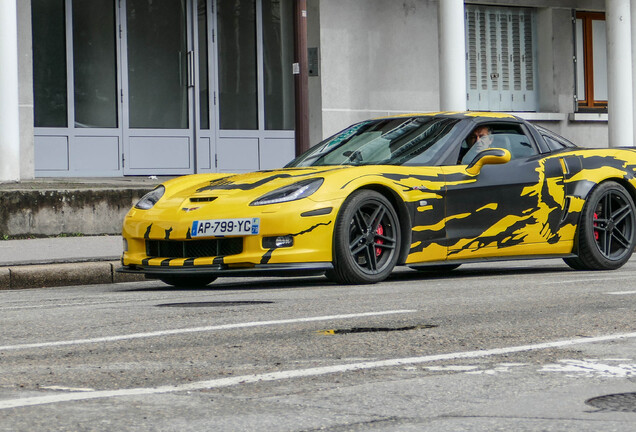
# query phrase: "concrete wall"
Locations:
[[378, 57], [41, 212]]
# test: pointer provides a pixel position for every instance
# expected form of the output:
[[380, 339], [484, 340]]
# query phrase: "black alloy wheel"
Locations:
[[367, 239], [606, 231]]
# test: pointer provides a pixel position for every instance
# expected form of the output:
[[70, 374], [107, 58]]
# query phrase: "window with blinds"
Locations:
[[500, 59]]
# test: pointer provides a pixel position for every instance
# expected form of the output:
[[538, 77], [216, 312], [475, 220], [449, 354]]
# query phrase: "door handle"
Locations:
[[190, 68], [564, 167]]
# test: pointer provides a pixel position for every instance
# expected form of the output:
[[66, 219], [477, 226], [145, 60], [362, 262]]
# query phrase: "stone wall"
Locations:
[[66, 211]]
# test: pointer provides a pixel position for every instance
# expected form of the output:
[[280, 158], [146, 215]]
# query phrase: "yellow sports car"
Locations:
[[429, 191]]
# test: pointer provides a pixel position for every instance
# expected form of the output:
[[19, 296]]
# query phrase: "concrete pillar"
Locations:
[[9, 116], [452, 55], [619, 73]]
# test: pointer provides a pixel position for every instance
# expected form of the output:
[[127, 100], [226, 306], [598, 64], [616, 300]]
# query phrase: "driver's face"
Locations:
[[480, 133]]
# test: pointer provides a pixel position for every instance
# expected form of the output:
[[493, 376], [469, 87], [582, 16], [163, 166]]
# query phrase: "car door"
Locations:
[[507, 209]]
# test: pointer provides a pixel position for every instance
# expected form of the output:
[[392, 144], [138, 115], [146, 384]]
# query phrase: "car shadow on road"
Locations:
[[472, 271], [400, 274], [243, 285]]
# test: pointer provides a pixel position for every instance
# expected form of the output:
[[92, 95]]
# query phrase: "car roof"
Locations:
[[475, 115]]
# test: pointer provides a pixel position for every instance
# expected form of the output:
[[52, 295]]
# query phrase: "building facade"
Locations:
[[146, 87]]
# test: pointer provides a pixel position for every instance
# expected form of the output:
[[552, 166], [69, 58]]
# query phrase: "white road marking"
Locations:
[[58, 305], [583, 280], [199, 329], [500, 368], [621, 292], [451, 368], [50, 303], [592, 368], [298, 373], [73, 389]]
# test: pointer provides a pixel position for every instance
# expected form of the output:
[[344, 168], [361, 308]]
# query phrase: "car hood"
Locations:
[[246, 187]]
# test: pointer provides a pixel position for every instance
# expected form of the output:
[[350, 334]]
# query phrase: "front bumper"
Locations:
[[150, 236], [221, 270]]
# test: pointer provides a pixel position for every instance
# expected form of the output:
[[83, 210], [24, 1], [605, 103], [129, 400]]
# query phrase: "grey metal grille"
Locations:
[[194, 248]]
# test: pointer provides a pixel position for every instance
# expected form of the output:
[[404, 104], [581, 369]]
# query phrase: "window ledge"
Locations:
[[541, 116], [588, 117]]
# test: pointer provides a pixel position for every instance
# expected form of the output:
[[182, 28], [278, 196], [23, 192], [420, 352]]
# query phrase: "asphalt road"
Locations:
[[502, 346]]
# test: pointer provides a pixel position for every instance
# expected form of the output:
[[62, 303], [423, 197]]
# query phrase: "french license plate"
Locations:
[[225, 227]]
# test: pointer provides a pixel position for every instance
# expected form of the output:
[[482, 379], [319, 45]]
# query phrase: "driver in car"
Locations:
[[480, 139]]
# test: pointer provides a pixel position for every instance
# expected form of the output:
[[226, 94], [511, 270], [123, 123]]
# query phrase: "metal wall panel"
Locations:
[[237, 154], [276, 152], [51, 153], [98, 153], [159, 153]]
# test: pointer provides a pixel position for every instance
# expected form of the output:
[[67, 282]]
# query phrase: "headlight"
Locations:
[[293, 192], [150, 199]]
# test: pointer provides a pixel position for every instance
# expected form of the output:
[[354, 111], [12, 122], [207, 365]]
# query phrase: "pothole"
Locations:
[[375, 329], [214, 304], [621, 402]]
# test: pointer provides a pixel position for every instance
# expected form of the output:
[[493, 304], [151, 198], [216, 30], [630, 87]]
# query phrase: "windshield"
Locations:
[[396, 141]]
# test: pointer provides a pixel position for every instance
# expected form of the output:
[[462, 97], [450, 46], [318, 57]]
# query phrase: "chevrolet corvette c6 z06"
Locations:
[[429, 191]]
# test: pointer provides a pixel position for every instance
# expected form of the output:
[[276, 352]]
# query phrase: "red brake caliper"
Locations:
[[596, 236], [379, 231]]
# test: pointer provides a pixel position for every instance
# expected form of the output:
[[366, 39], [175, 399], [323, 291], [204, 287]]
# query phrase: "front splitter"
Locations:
[[220, 270]]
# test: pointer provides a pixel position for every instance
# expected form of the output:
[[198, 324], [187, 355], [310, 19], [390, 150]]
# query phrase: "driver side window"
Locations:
[[492, 135]]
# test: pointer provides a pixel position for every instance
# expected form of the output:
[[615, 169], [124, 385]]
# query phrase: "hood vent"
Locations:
[[202, 199]]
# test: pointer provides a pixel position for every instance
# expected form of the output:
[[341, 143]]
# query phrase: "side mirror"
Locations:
[[491, 156]]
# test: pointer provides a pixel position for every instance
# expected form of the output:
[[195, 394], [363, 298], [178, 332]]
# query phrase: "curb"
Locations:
[[66, 274]]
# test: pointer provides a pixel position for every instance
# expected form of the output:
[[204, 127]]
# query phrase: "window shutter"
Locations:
[[471, 44], [500, 58], [494, 49], [483, 51], [516, 53], [505, 52], [528, 56]]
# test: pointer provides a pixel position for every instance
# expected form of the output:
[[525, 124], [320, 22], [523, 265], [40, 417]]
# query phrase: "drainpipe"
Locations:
[[452, 55], [9, 115], [301, 76]]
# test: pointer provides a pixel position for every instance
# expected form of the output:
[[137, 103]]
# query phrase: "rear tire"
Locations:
[[187, 281], [607, 229], [366, 239]]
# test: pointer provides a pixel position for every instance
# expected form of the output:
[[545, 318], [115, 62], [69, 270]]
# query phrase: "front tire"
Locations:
[[366, 239], [606, 231]]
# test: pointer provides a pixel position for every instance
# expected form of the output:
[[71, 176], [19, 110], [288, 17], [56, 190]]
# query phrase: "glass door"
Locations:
[[253, 60], [157, 87]]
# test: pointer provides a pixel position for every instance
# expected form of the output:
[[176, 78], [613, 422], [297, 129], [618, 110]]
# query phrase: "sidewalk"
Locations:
[[61, 261]]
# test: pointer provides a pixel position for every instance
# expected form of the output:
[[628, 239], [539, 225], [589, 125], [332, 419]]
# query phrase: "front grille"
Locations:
[[194, 248]]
